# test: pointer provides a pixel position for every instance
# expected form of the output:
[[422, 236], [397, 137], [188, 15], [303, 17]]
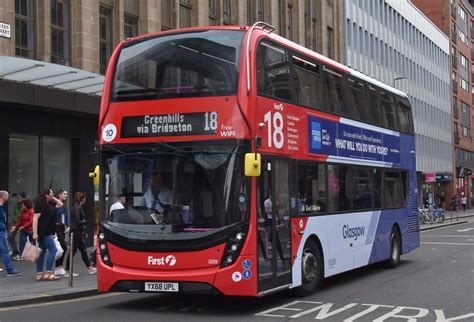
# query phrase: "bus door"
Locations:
[[273, 239]]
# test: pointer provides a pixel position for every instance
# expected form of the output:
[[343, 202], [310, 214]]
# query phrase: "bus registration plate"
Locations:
[[161, 287]]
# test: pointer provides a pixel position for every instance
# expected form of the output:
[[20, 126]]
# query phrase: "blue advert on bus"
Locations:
[[344, 140]]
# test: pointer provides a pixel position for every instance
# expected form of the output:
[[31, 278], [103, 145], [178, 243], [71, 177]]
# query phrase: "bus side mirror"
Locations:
[[95, 176], [253, 164]]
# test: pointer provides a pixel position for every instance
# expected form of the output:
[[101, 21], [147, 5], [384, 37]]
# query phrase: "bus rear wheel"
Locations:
[[395, 249], [311, 269]]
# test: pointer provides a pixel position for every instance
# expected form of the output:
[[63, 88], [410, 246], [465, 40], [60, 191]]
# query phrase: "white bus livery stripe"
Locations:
[[346, 160], [366, 126]]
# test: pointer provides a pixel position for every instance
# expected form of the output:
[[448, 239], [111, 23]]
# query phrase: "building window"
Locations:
[[464, 84], [59, 32], [462, 36], [463, 61], [453, 57], [465, 109], [465, 131], [35, 162], [130, 26], [212, 13], [281, 15], [185, 8], [455, 82], [462, 14], [314, 32], [105, 16], [261, 10], [290, 21], [166, 14], [455, 107], [24, 28], [227, 12], [330, 35], [453, 31]]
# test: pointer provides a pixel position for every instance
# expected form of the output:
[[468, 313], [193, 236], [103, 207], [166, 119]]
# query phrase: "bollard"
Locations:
[[71, 262]]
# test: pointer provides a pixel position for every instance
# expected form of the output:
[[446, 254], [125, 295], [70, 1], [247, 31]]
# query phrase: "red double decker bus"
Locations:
[[235, 162]]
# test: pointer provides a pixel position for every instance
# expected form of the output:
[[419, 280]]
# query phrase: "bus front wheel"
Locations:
[[395, 249], [311, 269]]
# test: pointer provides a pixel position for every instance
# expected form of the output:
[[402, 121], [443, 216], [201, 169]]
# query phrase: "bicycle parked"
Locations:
[[425, 216], [431, 215]]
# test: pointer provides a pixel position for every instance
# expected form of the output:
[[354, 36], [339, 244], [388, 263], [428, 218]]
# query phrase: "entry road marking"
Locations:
[[467, 229], [88, 298]]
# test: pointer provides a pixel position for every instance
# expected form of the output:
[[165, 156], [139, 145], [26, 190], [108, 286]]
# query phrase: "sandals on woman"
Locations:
[[48, 276]]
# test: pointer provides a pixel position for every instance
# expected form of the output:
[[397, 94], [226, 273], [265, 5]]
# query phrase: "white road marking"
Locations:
[[435, 243], [463, 230], [449, 236]]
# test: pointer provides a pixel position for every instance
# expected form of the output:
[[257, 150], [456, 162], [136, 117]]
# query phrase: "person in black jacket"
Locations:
[[44, 228], [77, 225]]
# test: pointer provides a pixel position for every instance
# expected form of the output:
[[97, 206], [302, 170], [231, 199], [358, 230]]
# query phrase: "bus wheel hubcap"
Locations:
[[309, 266]]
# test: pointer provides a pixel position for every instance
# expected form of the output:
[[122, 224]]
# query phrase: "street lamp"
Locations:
[[398, 78]]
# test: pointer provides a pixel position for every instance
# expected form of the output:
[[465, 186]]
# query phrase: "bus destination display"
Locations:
[[169, 125]]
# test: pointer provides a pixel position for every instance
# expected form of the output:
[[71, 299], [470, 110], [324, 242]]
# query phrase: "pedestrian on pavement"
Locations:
[[454, 204], [24, 225], [463, 202], [78, 227], [62, 228], [44, 228], [4, 251], [14, 217]]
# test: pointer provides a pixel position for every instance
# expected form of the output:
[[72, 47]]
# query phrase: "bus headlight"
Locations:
[[233, 247], [104, 252]]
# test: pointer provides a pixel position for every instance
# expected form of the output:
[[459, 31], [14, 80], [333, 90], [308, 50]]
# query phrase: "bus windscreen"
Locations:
[[192, 64], [178, 192]]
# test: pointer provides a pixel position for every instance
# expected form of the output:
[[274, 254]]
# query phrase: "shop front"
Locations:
[[47, 133], [434, 189]]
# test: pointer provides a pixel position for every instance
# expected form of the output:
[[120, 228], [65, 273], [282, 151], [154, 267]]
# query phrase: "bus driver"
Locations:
[[158, 197]]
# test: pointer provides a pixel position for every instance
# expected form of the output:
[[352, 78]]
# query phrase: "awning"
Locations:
[[50, 75]]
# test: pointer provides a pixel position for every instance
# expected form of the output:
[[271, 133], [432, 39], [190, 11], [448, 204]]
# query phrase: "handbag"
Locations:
[[31, 252], [60, 250]]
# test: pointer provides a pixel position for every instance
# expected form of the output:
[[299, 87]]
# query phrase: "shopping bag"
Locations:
[[60, 250], [31, 252]]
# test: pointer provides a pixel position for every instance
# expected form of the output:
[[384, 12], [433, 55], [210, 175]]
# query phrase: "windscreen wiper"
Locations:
[[140, 93]]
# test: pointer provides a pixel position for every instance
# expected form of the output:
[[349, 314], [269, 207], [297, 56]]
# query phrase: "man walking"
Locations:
[[11, 272]]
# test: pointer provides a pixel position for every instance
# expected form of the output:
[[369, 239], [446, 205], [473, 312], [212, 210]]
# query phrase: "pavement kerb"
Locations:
[[64, 294], [435, 226]]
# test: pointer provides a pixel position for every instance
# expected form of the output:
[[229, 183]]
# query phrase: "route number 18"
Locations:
[[275, 129]]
